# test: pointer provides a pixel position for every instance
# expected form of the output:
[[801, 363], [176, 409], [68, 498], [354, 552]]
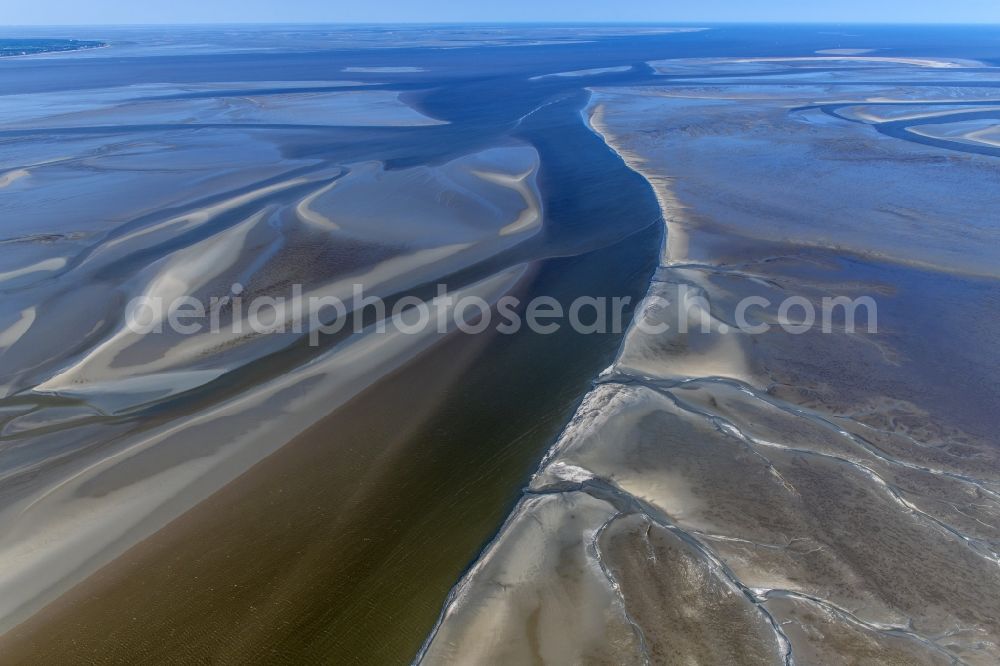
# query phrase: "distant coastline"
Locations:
[[23, 47]]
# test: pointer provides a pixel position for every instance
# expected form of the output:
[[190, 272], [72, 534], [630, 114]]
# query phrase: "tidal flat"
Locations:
[[709, 495], [124, 452], [807, 497]]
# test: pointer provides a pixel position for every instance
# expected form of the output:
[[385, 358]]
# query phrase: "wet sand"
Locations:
[[783, 497], [309, 531], [360, 553]]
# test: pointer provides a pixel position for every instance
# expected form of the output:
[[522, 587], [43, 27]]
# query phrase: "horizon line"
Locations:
[[656, 23]]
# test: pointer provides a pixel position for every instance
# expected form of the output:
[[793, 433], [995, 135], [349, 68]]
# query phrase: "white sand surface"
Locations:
[[134, 105], [584, 72], [974, 132]]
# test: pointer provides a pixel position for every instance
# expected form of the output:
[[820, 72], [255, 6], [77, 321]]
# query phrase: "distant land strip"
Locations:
[[19, 47]]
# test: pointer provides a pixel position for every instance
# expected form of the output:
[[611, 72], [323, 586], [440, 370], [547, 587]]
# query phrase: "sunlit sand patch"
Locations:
[[305, 212], [738, 89], [355, 108], [973, 132], [169, 279], [812, 90], [446, 217], [623, 411], [384, 70], [824, 635], [476, 198], [682, 66], [22, 108], [161, 366], [12, 176], [581, 561], [956, 93], [44, 263], [904, 111], [45, 266], [159, 232], [675, 241], [917, 62], [584, 72], [93, 185], [540, 594], [696, 342], [14, 331]]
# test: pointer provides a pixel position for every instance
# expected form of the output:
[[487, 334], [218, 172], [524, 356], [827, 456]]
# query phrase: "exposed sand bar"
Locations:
[[585, 72], [844, 52], [763, 192], [384, 70], [675, 240], [764, 65], [938, 63], [12, 176], [128, 105], [891, 111], [974, 132]]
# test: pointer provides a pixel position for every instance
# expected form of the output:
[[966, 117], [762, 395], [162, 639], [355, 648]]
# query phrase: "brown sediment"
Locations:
[[342, 545], [687, 614], [298, 536], [546, 601]]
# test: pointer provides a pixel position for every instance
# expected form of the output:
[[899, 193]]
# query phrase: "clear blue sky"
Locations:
[[58, 12]]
